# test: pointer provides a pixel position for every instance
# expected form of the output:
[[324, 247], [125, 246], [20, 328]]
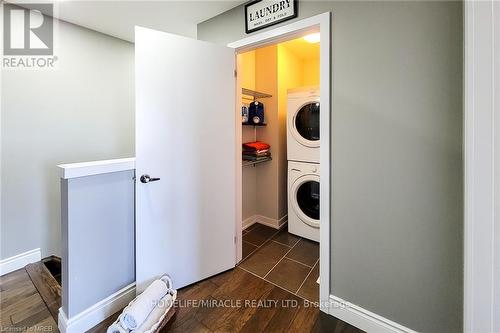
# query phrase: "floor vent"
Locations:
[[53, 264], [46, 277]]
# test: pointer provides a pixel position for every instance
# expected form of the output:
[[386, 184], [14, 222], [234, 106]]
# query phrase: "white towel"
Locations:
[[139, 310], [155, 315], [116, 328], [165, 278]]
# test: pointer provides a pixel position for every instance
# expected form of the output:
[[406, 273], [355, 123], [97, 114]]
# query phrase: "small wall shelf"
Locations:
[[253, 163], [254, 94], [255, 125]]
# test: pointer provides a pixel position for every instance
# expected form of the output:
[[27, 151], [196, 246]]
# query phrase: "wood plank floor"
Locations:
[[234, 301], [238, 301], [22, 309], [47, 286]]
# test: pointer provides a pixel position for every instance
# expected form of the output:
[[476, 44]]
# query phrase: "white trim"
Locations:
[[16, 262], [270, 222], [362, 318], [495, 309], [482, 167], [96, 313], [248, 222], [325, 156], [83, 169], [285, 32], [239, 169], [279, 34]]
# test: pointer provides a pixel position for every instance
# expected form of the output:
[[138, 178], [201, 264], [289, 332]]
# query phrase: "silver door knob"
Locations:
[[147, 178]]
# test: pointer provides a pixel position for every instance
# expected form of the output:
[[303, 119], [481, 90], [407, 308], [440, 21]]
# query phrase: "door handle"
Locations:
[[147, 178]]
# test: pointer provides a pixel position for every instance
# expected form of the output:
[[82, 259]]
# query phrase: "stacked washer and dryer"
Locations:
[[303, 162]]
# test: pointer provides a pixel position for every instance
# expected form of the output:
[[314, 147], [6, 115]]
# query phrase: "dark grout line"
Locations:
[[258, 246], [298, 262], [287, 244], [270, 239], [254, 250], [291, 248], [253, 243], [277, 262], [312, 268], [274, 284]]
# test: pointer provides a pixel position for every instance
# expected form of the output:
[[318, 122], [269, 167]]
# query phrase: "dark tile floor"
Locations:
[[285, 260]]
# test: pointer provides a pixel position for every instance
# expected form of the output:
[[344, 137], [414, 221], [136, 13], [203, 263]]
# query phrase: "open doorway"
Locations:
[[280, 150], [208, 227]]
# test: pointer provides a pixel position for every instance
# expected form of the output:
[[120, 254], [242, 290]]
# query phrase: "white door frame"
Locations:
[[481, 166], [315, 23]]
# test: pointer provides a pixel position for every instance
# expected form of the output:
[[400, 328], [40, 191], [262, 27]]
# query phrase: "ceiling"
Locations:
[[118, 18], [302, 49]]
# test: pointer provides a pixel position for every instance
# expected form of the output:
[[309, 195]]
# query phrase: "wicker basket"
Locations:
[[165, 320]]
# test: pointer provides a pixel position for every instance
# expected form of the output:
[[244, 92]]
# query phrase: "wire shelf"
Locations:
[[253, 163]]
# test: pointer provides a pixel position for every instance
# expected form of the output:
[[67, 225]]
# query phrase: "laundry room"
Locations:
[[280, 150]]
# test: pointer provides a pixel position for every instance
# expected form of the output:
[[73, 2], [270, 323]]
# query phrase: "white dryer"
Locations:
[[303, 199], [303, 125]]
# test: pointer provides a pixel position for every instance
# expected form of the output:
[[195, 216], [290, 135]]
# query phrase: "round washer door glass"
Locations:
[[307, 121], [308, 199]]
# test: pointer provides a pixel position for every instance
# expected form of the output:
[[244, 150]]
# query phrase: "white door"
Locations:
[[185, 136]]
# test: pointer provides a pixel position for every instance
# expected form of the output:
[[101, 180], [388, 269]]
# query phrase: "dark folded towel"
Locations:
[[254, 158]]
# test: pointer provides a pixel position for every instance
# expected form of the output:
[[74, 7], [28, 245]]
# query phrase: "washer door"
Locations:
[[305, 124], [305, 199]]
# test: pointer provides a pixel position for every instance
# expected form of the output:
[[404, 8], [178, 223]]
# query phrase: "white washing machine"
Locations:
[[303, 199], [303, 125]]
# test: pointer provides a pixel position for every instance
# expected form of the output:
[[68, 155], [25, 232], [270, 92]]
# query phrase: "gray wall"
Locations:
[[396, 152], [98, 238], [82, 111]]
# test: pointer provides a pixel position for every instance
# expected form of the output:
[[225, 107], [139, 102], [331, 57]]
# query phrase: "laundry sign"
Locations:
[[264, 13]]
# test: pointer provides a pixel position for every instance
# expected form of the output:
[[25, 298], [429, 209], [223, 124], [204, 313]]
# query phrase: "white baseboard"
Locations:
[[249, 222], [362, 318], [273, 223], [96, 313], [270, 222], [282, 221], [19, 261]]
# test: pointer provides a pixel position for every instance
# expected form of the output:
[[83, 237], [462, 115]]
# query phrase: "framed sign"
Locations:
[[261, 14]]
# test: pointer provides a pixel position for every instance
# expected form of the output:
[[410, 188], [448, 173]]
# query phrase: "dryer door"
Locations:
[[305, 192], [305, 124]]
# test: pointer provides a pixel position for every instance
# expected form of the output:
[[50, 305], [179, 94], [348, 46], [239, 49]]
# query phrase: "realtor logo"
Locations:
[[28, 31]]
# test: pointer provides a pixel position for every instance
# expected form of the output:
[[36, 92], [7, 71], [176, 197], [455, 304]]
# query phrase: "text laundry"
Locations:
[[270, 10]]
